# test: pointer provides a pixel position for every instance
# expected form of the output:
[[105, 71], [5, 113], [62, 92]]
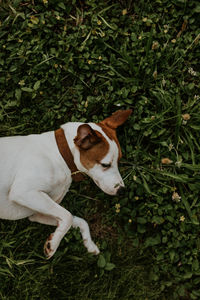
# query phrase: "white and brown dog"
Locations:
[[36, 172]]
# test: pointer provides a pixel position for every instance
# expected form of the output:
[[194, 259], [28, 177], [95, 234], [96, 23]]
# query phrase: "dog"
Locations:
[[37, 170]]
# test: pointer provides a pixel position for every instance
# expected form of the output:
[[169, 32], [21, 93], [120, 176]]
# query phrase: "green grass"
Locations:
[[73, 60], [72, 274]]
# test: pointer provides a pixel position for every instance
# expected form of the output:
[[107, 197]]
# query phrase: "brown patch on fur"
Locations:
[[117, 118], [110, 124], [50, 237], [86, 137], [111, 133], [92, 145], [96, 153]]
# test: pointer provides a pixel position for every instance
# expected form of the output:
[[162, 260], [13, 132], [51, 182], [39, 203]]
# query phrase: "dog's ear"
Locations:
[[86, 137], [117, 118]]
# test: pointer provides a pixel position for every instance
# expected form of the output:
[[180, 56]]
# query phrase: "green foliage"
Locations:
[[68, 60]]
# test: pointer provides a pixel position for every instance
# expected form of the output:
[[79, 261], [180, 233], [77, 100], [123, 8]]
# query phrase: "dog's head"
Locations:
[[100, 152]]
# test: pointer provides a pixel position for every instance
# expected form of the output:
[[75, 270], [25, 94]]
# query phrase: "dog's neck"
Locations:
[[70, 130], [67, 155]]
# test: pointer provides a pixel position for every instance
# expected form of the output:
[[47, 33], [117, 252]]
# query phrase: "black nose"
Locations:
[[121, 191]]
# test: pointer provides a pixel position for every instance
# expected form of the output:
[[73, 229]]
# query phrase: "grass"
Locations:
[[73, 274], [65, 61]]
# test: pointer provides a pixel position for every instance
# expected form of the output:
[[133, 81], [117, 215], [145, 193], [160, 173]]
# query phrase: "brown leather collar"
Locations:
[[67, 155]]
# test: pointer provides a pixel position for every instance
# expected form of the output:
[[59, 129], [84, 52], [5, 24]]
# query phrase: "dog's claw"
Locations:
[[96, 251]]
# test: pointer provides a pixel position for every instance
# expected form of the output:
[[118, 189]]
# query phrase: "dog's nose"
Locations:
[[121, 191]]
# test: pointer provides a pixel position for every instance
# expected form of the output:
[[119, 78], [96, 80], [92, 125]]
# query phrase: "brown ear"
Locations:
[[86, 137], [117, 118]]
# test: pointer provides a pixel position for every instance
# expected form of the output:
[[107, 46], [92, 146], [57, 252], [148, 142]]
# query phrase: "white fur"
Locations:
[[34, 179]]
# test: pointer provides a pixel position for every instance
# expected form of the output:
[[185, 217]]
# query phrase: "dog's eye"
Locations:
[[106, 166]]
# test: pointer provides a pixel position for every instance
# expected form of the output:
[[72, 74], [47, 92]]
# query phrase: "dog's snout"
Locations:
[[121, 191]]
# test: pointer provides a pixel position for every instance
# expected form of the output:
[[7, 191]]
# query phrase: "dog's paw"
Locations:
[[91, 247], [48, 251]]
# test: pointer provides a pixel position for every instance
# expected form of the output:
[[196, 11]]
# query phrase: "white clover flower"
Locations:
[[176, 197], [196, 97], [192, 72]]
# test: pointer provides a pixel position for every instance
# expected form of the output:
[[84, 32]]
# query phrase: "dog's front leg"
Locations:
[[85, 232], [77, 223], [41, 203]]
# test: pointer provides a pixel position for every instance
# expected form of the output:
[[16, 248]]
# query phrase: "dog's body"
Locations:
[[34, 177]]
